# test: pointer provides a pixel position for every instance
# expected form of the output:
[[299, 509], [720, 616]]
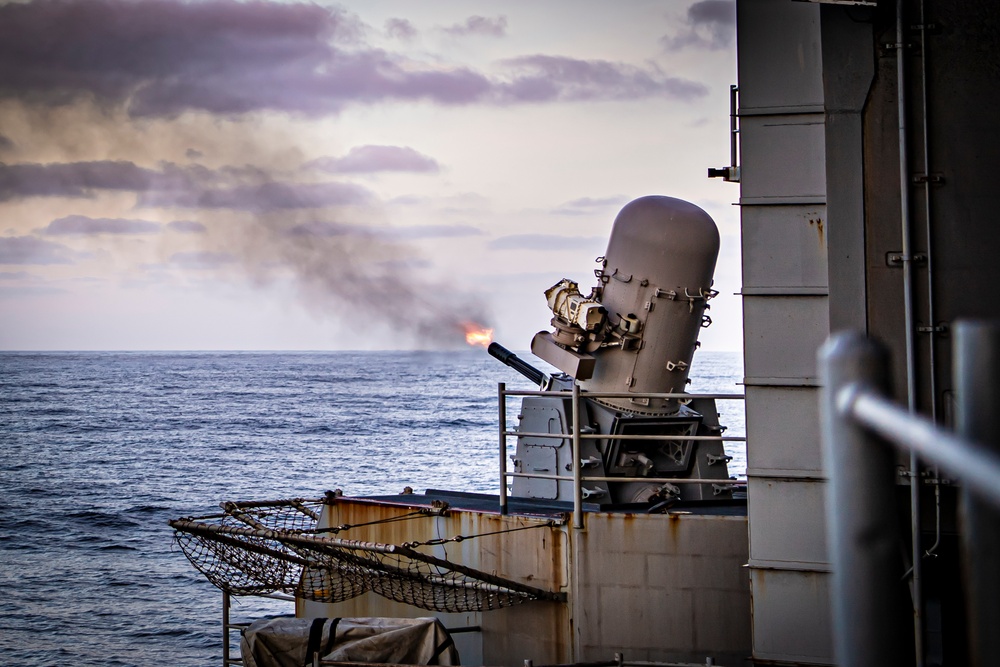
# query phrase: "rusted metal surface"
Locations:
[[621, 573]]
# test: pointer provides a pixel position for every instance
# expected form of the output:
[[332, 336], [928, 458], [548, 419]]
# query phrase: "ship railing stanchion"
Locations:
[[976, 353], [502, 392], [860, 506], [577, 490], [225, 628]]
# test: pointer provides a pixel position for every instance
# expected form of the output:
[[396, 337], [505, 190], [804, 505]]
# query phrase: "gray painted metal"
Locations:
[[657, 270], [977, 367], [782, 333], [785, 314], [863, 532]]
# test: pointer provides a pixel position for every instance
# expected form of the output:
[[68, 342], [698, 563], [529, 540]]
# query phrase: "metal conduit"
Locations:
[[931, 319], [909, 325]]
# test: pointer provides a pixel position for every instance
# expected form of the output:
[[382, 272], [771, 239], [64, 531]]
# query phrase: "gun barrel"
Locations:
[[509, 358]]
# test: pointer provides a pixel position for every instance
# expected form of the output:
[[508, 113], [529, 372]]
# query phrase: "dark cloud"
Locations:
[[371, 159], [82, 225], [271, 196], [480, 25], [162, 57], [172, 185], [541, 78], [187, 227], [711, 24], [323, 229], [400, 29], [6, 143], [201, 260], [193, 154], [71, 179], [545, 242], [31, 250], [165, 57]]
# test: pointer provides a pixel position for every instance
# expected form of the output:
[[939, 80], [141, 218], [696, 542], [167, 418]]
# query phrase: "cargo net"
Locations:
[[273, 546]]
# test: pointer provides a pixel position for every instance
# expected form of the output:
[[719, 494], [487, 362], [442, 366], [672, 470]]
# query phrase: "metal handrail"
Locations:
[[577, 436], [974, 463], [860, 429]]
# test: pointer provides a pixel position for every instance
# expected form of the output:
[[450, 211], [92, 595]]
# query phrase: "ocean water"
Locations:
[[99, 449]]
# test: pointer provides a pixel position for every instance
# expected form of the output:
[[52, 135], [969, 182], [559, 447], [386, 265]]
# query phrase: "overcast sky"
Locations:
[[360, 175]]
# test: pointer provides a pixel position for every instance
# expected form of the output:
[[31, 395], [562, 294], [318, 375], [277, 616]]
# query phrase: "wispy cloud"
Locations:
[[325, 229], [589, 205], [479, 25], [541, 78], [187, 227], [400, 29], [373, 159], [545, 242], [711, 24], [272, 196], [433, 232], [31, 250], [80, 225], [202, 260]]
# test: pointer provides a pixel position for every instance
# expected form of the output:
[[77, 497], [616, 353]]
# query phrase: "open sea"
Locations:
[[99, 449]]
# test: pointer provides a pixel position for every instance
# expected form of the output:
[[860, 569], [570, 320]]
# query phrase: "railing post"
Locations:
[[976, 349], [225, 628], [502, 391], [860, 508], [577, 465]]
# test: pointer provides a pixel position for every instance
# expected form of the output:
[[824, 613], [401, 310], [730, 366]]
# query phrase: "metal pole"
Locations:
[[976, 350], [860, 510], [225, 628], [733, 128], [577, 491], [501, 389], [909, 326]]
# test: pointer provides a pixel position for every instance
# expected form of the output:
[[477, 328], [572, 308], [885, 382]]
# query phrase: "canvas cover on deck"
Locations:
[[291, 642]]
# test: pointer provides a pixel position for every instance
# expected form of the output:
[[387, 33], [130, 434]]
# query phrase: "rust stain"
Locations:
[[818, 222], [674, 523]]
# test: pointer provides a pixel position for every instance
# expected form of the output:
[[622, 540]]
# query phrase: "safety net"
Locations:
[[256, 548]]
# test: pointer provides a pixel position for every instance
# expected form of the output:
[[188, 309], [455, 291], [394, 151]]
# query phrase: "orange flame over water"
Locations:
[[477, 334]]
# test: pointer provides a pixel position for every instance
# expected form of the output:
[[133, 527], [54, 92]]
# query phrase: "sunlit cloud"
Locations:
[[372, 159]]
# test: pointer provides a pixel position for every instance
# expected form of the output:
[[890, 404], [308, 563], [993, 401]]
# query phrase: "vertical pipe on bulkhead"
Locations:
[[976, 351], [909, 327]]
